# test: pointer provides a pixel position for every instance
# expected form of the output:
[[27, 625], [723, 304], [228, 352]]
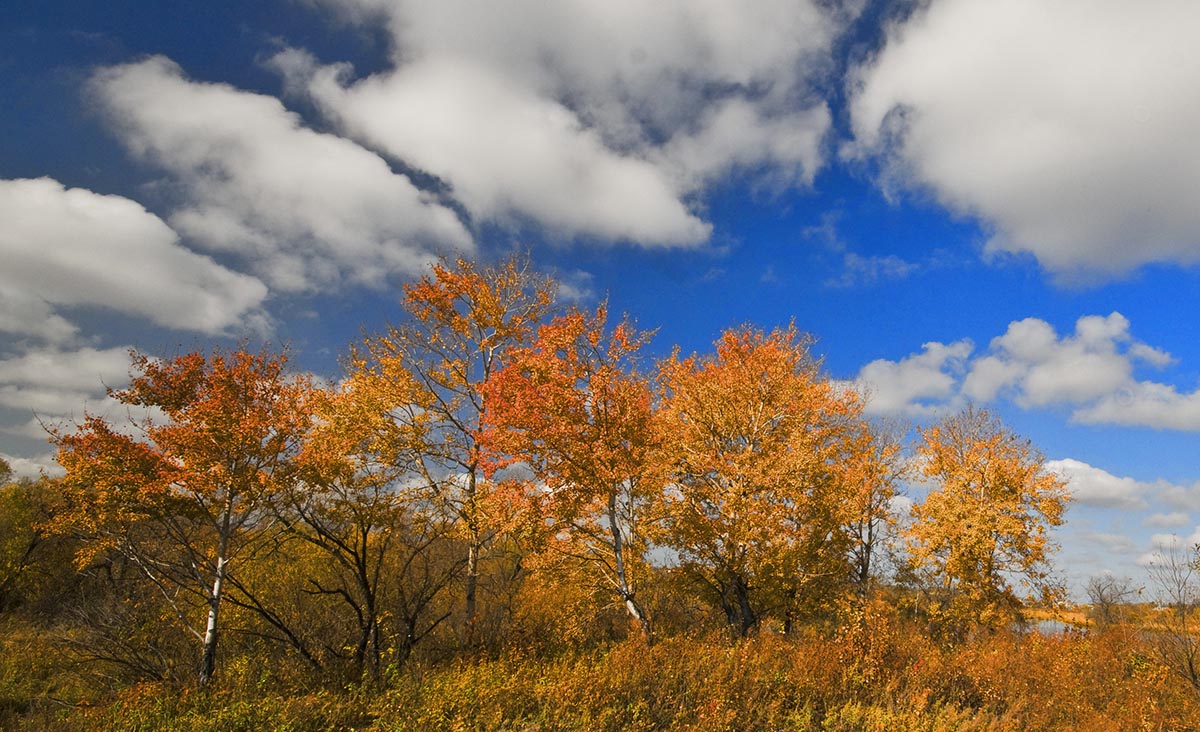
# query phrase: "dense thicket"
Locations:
[[503, 515]]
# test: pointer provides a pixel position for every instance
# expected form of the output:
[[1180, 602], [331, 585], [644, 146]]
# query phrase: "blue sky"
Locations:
[[962, 200]]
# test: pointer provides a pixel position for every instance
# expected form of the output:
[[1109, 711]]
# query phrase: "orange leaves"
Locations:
[[488, 307], [572, 408], [463, 320], [229, 416], [227, 427], [571, 405], [756, 441]]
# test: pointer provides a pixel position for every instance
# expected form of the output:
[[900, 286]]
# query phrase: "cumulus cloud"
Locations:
[[593, 119], [71, 247], [1044, 369], [506, 150], [1181, 497], [1066, 126], [1092, 371], [307, 210], [1092, 486], [32, 467], [54, 382], [1146, 404], [920, 384]]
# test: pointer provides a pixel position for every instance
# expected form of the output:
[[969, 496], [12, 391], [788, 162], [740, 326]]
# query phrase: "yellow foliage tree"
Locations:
[[984, 529], [759, 498]]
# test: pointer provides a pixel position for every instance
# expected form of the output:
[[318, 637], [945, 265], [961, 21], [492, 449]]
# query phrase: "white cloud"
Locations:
[[1173, 520], [1091, 486], [24, 313], [1166, 541], [54, 383], [308, 210], [1112, 543], [1046, 370], [1092, 371], [576, 286], [32, 467], [910, 385], [901, 507], [1146, 404], [71, 247], [594, 119], [735, 133], [860, 270], [504, 149], [1181, 497], [1067, 126]]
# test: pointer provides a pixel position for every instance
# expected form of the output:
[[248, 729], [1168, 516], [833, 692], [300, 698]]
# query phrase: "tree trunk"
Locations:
[[623, 587], [738, 609], [472, 612], [208, 661], [473, 550]]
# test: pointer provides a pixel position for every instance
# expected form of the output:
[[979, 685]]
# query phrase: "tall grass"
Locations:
[[876, 673]]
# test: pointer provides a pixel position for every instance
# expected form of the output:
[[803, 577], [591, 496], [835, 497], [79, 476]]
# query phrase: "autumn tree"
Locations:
[[462, 320], [362, 505], [35, 564], [983, 532], [573, 408], [755, 441], [875, 466], [21, 534], [184, 493], [1108, 595], [1175, 573]]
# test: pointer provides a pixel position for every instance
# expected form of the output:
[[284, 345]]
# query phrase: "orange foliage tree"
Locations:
[[462, 321], [185, 492], [572, 407], [757, 447], [986, 522]]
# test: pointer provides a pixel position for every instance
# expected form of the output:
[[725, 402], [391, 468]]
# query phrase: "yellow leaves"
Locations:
[[987, 518], [757, 444]]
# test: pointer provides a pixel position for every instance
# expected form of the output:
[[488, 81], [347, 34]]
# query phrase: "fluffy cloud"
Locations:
[[1149, 404], [71, 247], [1092, 371], [1091, 486], [920, 384], [1044, 369], [308, 210], [1067, 126], [593, 119], [32, 467], [54, 383], [506, 150]]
